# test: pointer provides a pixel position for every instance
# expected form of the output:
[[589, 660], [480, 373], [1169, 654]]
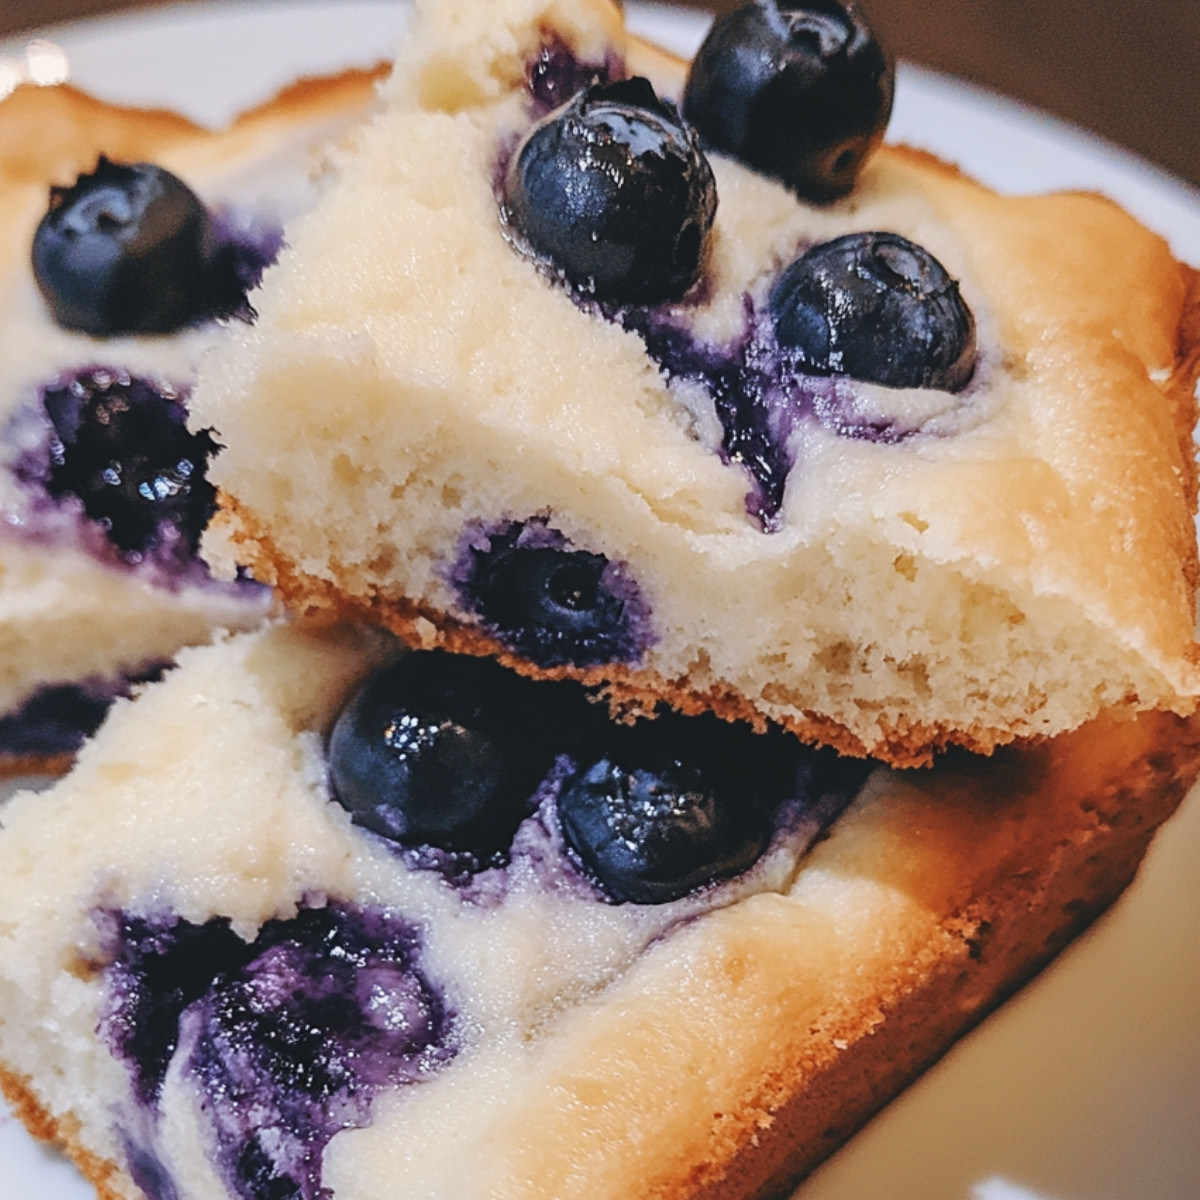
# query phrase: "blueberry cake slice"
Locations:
[[314, 918], [557, 374], [130, 242]]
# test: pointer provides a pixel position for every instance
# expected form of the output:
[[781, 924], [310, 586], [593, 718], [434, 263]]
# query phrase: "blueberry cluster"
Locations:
[[611, 190], [130, 249], [612, 193], [456, 752]]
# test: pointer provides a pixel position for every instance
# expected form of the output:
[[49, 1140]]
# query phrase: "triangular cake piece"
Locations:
[[435, 427], [216, 985], [102, 491]]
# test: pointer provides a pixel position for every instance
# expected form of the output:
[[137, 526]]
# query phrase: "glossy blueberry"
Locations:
[[123, 448], [674, 803], [875, 307], [800, 92], [550, 602], [124, 251], [613, 192], [442, 750]]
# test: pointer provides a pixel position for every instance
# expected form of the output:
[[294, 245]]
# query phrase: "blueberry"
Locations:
[[124, 251], [800, 92], [442, 750], [123, 448], [613, 191], [291, 1046], [875, 307], [674, 803], [550, 602]]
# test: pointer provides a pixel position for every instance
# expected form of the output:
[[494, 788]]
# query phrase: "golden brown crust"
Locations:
[[68, 121], [1064, 873], [909, 744], [39, 764], [100, 1173]]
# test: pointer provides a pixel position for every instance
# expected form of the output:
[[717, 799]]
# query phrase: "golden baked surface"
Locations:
[[1022, 560]]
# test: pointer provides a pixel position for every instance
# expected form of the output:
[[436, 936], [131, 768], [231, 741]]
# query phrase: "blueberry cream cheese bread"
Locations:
[[567, 370], [130, 241], [314, 918]]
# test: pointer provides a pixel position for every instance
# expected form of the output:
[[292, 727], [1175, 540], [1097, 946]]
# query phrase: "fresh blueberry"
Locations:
[[675, 803], [123, 251], [613, 192], [442, 750], [875, 307], [800, 92], [123, 448]]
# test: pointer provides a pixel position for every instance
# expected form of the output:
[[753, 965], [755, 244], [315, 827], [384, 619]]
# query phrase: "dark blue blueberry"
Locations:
[[613, 192], [875, 307], [443, 750], [130, 249], [550, 602], [123, 251], [661, 808], [291, 1047], [124, 449], [800, 92]]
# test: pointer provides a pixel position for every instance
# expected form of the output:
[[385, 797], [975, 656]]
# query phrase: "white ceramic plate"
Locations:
[[1087, 1085]]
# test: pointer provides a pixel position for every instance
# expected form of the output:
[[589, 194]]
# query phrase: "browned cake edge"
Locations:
[[1070, 870], [61, 1133]]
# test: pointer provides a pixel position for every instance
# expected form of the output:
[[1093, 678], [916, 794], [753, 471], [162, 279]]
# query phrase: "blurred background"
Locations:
[[1128, 71]]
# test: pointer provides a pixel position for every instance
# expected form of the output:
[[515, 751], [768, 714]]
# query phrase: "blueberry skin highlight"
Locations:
[[800, 92], [441, 750], [672, 804], [123, 251], [875, 307], [613, 192]]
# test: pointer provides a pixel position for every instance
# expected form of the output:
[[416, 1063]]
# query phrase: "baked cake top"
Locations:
[[429, 425]]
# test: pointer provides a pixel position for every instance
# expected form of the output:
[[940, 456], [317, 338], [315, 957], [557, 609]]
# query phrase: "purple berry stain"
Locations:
[[57, 718], [119, 446], [761, 397], [556, 74], [289, 1038]]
